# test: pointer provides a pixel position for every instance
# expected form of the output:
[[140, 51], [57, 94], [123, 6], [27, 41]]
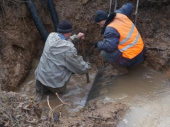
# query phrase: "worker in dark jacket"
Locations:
[[122, 44]]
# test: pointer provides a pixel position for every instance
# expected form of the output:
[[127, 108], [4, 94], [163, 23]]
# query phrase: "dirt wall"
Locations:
[[152, 23], [20, 41]]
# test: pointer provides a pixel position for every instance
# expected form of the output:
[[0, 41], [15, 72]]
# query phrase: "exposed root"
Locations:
[[51, 112], [62, 100]]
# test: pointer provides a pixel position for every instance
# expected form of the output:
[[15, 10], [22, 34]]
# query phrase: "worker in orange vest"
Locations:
[[122, 45]]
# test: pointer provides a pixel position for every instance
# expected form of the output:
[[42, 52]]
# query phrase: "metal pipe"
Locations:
[[84, 54], [110, 8], [115, 5], [136, 12]]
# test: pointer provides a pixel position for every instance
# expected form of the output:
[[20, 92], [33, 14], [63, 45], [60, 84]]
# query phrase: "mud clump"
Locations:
[[19, 110], [96, 114]]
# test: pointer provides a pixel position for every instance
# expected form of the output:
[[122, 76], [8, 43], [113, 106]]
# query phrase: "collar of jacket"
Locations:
[[62, 36], [108, 21]]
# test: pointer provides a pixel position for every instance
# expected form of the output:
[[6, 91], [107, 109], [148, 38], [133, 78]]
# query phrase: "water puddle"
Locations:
[[147, 93], [76, 93]]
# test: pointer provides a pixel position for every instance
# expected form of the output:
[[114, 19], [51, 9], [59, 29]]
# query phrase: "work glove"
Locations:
[[95, 44]]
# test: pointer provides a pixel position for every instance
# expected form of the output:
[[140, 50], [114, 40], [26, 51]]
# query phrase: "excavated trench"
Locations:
[[145, 89]]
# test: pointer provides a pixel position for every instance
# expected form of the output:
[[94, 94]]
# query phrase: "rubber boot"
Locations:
[[41, 90], [39, 93], [113, 71], [120, 70]]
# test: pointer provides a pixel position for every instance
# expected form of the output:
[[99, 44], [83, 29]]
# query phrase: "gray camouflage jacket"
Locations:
[[58, 61]]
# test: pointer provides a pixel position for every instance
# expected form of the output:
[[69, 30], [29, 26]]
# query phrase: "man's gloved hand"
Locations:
[[95, 44]]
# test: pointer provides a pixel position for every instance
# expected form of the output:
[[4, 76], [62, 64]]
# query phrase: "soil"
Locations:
[[20, 110], [97, 114], [20, 41]]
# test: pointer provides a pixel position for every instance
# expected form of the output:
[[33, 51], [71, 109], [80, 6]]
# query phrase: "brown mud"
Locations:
[[20, 43], [19, 110]]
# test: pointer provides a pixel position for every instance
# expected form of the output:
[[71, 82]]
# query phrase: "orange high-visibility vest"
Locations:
[[130, 42]]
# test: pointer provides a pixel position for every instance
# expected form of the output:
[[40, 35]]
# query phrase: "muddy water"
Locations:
[[76, 93], [147, 93]]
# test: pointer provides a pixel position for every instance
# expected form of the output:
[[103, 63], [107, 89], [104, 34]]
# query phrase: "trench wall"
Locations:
[[20, 41]]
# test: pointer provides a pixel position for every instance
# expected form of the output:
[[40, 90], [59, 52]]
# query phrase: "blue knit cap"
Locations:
[[64, 26], [100, 15]]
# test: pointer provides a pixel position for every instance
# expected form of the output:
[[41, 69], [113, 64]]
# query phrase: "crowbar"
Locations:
[[110, 9], [84, 54], [136, 12], [111, 3]]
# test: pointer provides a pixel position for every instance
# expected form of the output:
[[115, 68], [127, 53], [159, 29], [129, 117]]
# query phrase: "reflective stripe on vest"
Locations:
[[130, 42], [130, 45]]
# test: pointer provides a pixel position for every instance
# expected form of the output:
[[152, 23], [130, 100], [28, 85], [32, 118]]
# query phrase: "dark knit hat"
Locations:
[[100, 15], [64, 27]]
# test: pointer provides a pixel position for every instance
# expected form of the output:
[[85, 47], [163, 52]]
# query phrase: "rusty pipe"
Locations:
[[84, 55]]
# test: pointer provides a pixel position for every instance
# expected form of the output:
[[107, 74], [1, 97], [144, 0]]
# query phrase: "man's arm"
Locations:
[[110, 43], [74, 38], [75, 63], [126, 9]]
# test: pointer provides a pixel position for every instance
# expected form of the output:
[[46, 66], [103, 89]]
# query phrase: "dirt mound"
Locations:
[[96, 114], [19, 110]]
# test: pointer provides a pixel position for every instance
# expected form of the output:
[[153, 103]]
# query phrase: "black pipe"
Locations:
[[53, 13], [2, 8], [37, 20]]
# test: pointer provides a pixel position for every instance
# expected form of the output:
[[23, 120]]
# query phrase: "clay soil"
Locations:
[[20, 42], [19, 110]]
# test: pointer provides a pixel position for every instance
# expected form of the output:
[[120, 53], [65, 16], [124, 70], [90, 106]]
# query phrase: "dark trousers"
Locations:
[[45, 89], [117, 58]]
